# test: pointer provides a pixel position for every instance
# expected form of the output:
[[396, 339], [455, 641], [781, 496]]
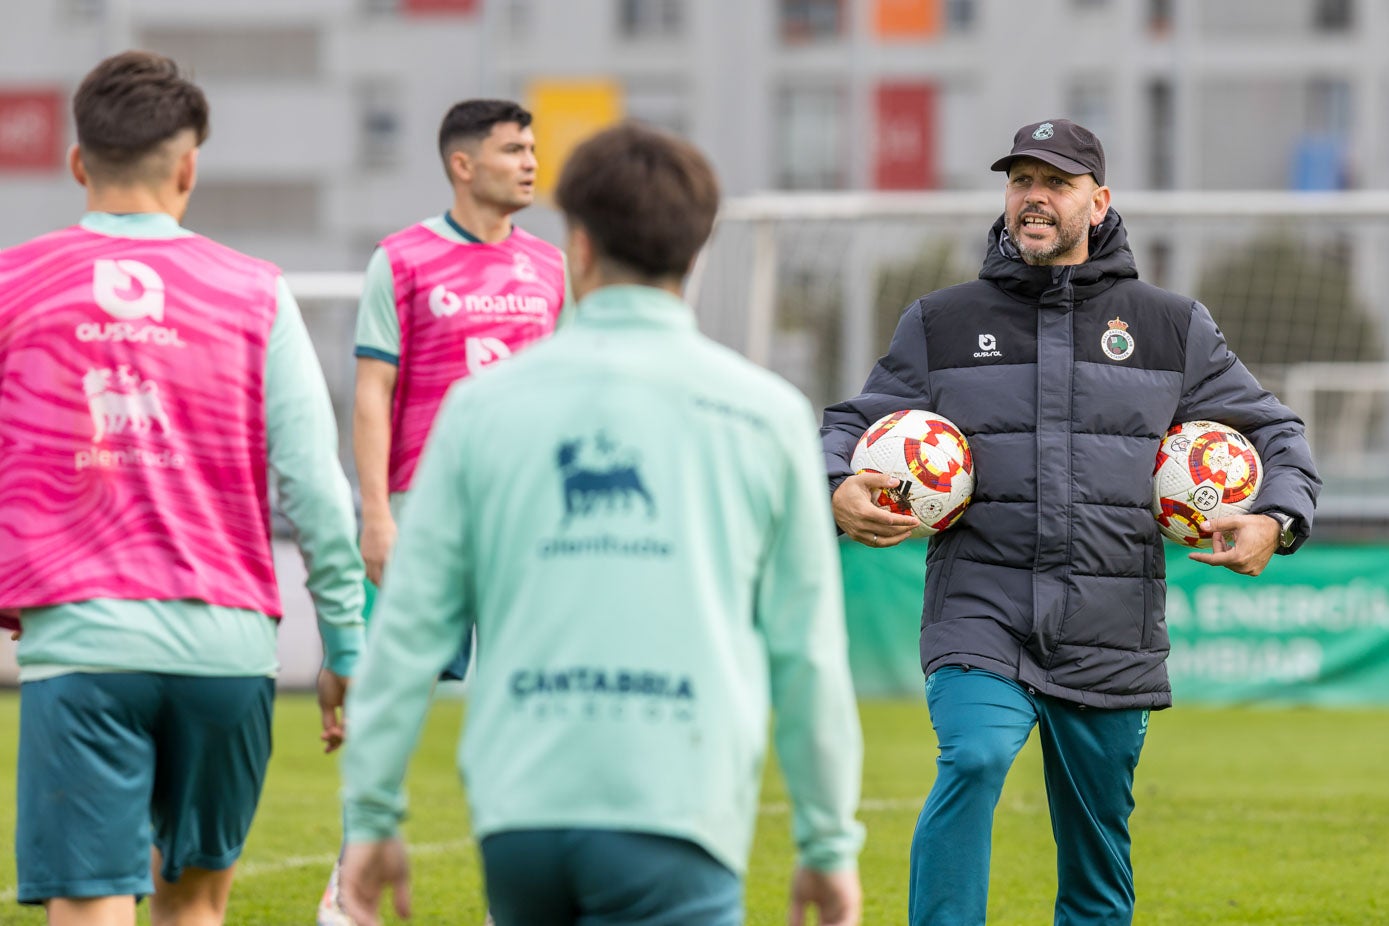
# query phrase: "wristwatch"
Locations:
[[1286, 522]]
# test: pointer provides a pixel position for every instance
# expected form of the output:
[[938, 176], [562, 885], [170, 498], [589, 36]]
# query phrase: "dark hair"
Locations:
[[129, 105], [471, 120], [647, 198]]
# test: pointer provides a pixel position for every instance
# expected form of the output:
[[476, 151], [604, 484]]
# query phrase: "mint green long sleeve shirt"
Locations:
[[196, 638], [634, 519]]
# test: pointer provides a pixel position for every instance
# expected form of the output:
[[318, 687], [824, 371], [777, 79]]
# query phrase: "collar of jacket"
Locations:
[[629, 305], [1111, 260]]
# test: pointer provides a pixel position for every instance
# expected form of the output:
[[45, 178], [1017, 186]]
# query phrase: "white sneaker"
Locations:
[[330, 911]]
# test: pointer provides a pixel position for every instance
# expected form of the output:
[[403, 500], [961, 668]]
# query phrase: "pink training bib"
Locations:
[[132, 422], [461, 307]]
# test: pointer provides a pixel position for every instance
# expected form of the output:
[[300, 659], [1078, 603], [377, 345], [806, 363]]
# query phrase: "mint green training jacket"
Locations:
[[635, 520]]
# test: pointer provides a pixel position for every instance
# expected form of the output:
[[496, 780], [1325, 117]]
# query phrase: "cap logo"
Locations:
[[1044, 131]]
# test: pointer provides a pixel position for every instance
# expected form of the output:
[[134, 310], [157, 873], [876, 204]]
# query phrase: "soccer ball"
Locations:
[[1204, 470], [929, 456]]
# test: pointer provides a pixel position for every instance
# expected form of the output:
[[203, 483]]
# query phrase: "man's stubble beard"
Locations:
[[1070, 232]]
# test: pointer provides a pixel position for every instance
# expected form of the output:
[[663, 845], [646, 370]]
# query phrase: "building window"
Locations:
[[239, 52], [810, 139], [811, 20], [1162, 141], [650, 19], [82, 10], [1320, 159], [959, 15], [229, 207], [1330, 105], [657, 104], [1160, 17], [520, 19], [1333, 15], [1088, 103], [378, 124]]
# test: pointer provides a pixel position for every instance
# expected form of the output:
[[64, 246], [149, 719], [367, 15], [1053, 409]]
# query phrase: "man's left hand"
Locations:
[[332, 692], [1243, 543]]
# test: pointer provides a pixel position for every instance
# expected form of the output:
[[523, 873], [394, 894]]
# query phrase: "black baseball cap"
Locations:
[[1060, 143]]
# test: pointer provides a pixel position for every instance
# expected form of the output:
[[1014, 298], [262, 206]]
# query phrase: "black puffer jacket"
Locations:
[[1055, 574]]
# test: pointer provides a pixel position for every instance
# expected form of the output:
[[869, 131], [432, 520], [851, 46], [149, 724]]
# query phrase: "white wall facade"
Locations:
[[325, 111]]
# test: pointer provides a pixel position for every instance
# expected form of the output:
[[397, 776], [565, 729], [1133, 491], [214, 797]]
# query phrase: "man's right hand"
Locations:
[[837, 895], [862, 520], [378, 539]]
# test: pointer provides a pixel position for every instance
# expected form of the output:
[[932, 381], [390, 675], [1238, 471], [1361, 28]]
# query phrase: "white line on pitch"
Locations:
[[325, 860]]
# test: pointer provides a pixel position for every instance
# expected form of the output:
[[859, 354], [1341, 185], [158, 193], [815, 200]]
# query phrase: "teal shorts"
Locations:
[[596, 877], [111, 764]]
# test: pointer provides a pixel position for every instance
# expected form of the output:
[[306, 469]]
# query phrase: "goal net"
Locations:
[[812, 285]]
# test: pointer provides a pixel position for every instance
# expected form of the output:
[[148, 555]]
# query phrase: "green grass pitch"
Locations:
[[1245, 816]]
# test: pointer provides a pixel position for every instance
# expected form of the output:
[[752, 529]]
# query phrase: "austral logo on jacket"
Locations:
[[1117, 343], [601, 484], [131, 291], [128, 289]]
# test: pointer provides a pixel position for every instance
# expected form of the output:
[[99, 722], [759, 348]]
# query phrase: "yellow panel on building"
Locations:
[[566, 112]]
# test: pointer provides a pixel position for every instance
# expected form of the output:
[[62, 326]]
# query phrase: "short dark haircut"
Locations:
[[127, 107], [645, 197], [471, 120]]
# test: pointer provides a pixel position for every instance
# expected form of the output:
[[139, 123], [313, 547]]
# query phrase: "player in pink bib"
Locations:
[[149, 381], [445, 298], [442, 300], [460, 306], [163, 495]]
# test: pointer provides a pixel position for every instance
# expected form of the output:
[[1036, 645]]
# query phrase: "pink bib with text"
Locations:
[[461, 307], [132, 422]]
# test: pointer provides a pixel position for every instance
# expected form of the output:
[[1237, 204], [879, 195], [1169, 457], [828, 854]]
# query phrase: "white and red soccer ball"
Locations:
[[930, 458], [1204, 470]]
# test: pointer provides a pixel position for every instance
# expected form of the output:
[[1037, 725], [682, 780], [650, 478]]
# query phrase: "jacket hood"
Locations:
[[1110, 261]]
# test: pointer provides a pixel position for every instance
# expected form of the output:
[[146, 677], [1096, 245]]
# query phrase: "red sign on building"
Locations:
[[905, 136], [31, 130], [457, 7]]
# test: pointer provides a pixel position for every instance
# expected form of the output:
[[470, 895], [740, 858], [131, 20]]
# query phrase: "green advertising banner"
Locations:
[[1312, 630]]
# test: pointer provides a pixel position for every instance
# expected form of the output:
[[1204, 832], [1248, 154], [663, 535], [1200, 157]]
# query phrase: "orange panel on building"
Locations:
[[31, 129], [907, 19]]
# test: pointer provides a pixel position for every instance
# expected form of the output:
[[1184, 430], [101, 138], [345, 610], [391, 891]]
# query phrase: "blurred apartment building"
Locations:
[[325, 111]]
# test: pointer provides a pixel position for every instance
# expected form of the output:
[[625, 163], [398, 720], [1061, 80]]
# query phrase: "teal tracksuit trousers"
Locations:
[[1089, 755]]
